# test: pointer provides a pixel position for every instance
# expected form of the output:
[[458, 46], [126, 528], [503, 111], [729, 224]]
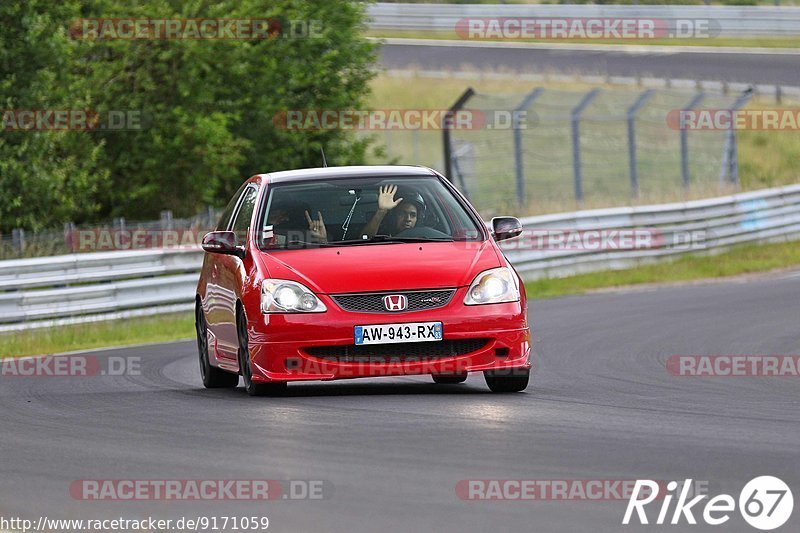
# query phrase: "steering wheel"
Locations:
[[423, 232]]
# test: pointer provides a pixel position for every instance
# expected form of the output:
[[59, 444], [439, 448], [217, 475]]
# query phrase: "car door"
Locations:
[[231, 274], [214, 297]]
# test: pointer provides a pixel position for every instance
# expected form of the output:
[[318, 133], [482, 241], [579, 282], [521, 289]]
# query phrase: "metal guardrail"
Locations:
[[76, 288], [713, 225], [725, 21], [18, 274]]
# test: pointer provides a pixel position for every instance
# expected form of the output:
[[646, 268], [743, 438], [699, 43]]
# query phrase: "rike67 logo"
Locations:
[[766, 503]]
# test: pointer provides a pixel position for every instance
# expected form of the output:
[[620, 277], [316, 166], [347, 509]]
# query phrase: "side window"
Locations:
[[245, 214], [225, 218]]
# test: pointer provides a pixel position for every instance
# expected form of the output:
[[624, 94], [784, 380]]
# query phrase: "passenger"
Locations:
[[401, 214], [316, 228], [288, 224]]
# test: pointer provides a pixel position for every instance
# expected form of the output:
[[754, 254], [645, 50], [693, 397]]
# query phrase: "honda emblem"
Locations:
[[395, 302]]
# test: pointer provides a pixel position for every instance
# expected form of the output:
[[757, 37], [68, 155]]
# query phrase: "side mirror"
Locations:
[[506, 228], [222, 242]]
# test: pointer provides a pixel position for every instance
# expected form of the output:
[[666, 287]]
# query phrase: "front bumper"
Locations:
[[280, 343]]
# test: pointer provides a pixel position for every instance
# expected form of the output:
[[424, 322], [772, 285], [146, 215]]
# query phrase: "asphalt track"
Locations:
[[778, 68], [600, 406]]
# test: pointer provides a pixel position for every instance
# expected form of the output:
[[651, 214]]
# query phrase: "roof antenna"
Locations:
[[324, 162]]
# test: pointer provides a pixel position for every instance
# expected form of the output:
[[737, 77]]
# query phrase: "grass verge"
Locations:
[[138, 330], [742, 259]]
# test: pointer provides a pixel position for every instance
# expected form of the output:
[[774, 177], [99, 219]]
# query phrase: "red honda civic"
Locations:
[[346, 272]]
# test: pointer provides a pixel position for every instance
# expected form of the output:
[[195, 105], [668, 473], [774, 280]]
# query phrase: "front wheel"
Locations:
[[510, 380], [213, 377], [253, 389]]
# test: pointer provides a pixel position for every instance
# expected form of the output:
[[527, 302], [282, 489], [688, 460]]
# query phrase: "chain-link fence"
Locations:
[[544, 151], [601, 147]]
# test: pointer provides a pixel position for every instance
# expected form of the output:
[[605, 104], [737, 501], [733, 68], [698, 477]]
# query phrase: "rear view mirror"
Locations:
[[506, 228], [222, 242], [365, 197]]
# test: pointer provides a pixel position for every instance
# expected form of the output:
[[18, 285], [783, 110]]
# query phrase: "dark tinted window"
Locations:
[[245, 214], [225, 219]]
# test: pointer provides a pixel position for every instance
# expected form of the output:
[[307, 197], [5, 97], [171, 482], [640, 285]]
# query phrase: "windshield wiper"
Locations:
[[386, 239], [421, 239], [295, 242]]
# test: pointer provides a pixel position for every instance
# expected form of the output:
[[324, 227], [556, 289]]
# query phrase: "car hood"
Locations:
[[382, 267]]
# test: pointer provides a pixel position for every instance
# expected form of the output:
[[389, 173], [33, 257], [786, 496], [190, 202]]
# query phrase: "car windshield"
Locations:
[[352, 212]]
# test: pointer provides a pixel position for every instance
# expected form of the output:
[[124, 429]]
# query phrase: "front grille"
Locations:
[[401, 351], [373, 302]]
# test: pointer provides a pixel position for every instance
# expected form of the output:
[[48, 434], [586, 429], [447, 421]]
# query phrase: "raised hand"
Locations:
[[386, 201], [317, 227]]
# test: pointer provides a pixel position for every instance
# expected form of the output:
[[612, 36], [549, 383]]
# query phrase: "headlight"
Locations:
[[493, 286], [283, 296]]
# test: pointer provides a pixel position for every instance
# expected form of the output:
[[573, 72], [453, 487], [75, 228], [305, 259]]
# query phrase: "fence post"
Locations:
[[729, 170], [18, 239], [69, 236], [166, 219], [685, 141], [632, 110], [448, 150], [518, 163], [457, 154], [576, 141], [211, 217]]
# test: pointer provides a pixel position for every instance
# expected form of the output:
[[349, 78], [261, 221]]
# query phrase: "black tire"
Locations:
[[253, 389], [512, 380], [213, 377], [449, 379]]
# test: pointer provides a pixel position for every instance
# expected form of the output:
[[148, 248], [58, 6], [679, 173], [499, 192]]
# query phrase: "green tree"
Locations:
[[51, 176], [208, 105]]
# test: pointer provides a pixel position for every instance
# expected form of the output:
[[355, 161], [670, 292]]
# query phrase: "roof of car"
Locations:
[[395, 171]]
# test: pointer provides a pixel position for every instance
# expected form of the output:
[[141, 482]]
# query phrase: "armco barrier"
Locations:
[[89, 287], [729, 21], [767, 215], [76, 288], [95, 267]]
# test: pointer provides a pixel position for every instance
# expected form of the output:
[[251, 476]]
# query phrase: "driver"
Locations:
[[401, 214]]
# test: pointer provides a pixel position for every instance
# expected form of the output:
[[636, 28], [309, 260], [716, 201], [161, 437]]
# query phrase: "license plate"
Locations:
[[391, 333]]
